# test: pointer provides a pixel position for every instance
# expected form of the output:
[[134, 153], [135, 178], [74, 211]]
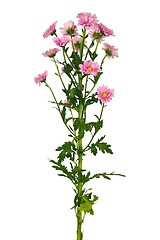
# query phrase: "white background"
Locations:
[[34, 202]]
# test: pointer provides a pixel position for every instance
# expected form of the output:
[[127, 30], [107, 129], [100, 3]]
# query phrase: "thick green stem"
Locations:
[[80, 184]]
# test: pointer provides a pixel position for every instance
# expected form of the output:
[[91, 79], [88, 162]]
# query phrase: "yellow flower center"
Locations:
[[104, 94], [90, 69]]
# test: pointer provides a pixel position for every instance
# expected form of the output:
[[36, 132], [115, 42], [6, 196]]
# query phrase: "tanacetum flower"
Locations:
[[86, 20], [69, 29], [50, 31], [110, 51], [50, 52], [105, 94], [62, 41], [77, 42], [41, 78], [104, 30], [90, 67]]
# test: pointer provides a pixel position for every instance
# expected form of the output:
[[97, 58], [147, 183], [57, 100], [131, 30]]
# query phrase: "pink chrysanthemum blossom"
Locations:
[[105, 94], [90, 67], [86, 20], [69, 29], [51, 52], [110, 51], [50, 31], [77, 42], [104, 30], [62, 41], [41, 78], [99, 32]]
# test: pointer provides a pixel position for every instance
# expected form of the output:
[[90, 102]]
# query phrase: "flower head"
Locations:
[[62, 41], [99, 32], [90, 67], [110, 51], [77, 42], [41, 78], [51, 52], [104, 30], [105, 94], [50, 31], [69, 29], [86, 20]]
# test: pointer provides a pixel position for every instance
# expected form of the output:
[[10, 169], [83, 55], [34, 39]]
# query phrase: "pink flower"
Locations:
[[50, 52], [110, 51], [104, 30], [69, 29], [62, 41], [105, 94], [50, 31], [100, 31], [77, 42], [90, 67], [86, 20], [41, 78]]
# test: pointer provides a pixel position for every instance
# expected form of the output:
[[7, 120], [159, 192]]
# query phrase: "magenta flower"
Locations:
[[50, 31], [50, 52], [41, 78], [110, 51], [90, 67], [86, 20], [105, 94], [62, 41], [69, 29]]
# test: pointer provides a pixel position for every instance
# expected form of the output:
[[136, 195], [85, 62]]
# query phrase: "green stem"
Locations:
[[103, 61], [82, 43], [80, 184], [59, 110], [85, 149], [88, 49], [59, 74]]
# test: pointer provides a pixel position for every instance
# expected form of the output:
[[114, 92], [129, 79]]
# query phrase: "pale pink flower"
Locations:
[[110, 51], [50, 31], [69, 29], [100, 31], [90, 67], [77, 42], [86, 20], [105, 94], [104, 30], [51, 52], [62, 41], [41, 78]]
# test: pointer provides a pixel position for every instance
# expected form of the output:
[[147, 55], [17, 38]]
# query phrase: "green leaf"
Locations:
[[93, 149], [104, 147], [67, 150]]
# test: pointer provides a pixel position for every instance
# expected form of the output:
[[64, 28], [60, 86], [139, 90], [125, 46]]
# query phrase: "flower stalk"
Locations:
[[83, 74]]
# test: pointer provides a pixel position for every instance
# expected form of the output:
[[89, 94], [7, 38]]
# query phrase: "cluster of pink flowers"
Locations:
[[50, 52], [90, 67], [97, 32], [105, 94], [41, 78]]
